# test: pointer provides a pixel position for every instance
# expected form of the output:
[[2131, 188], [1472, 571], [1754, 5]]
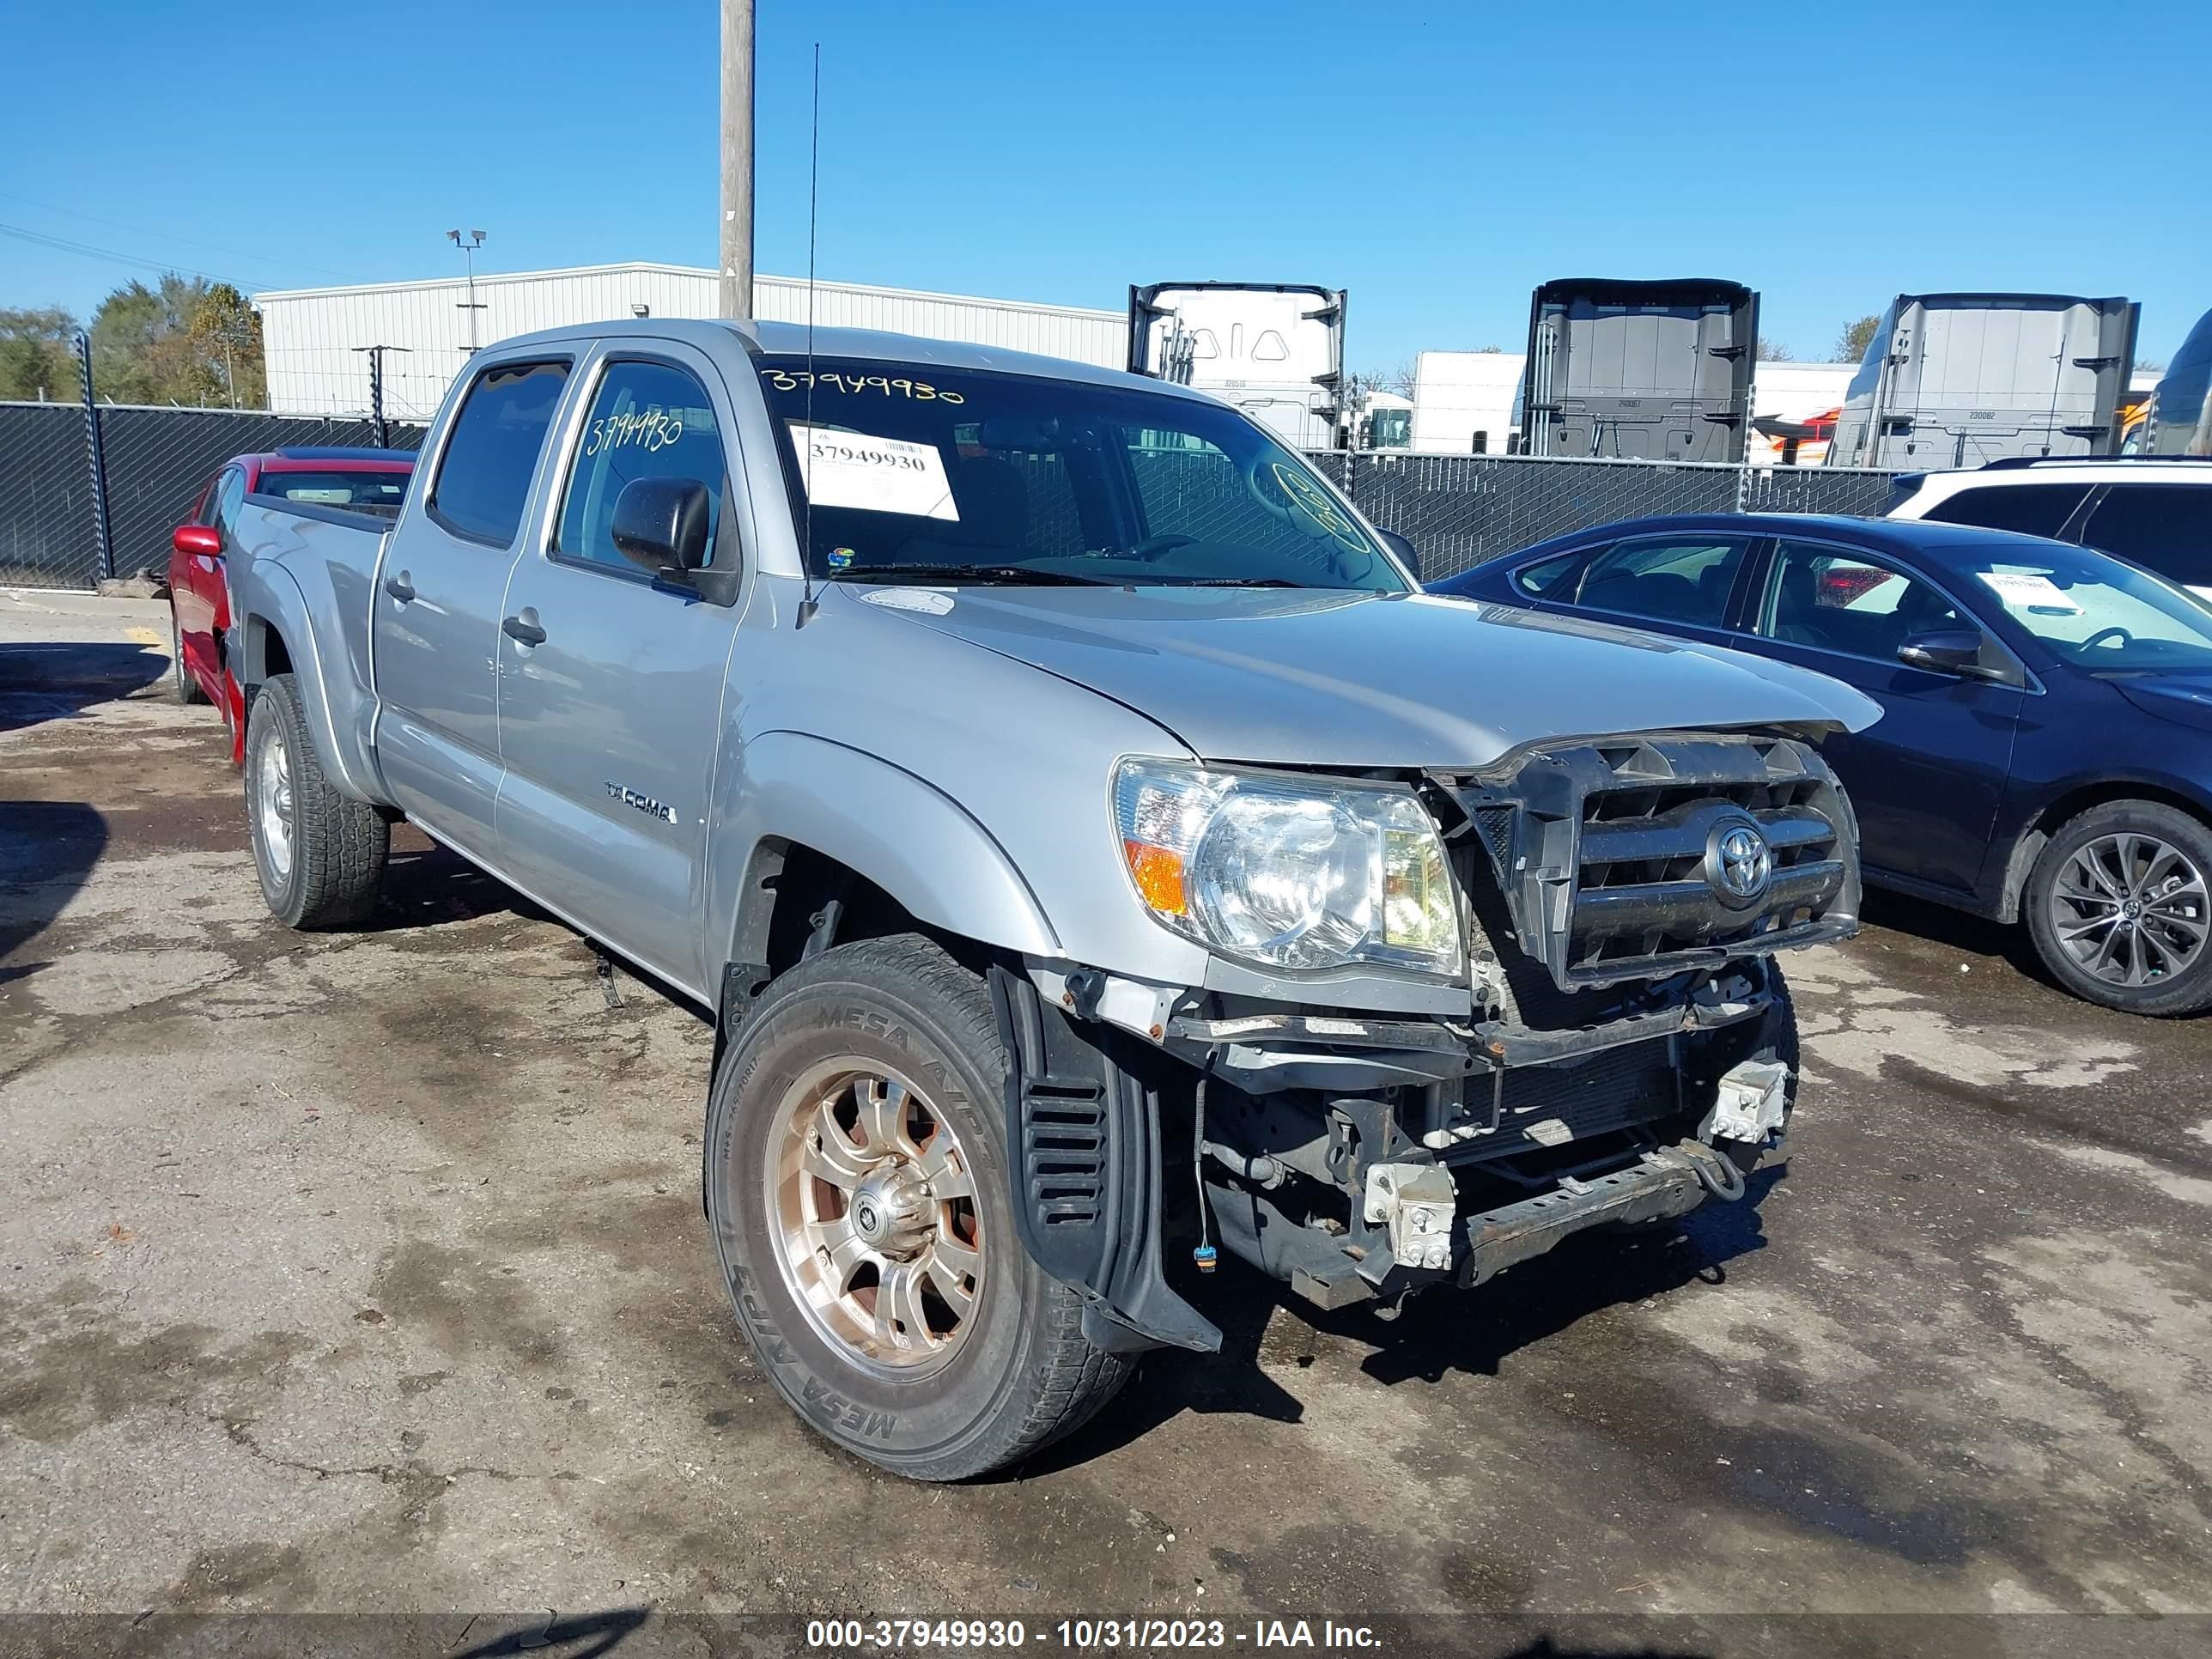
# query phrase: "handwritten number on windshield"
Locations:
[[857, 385]]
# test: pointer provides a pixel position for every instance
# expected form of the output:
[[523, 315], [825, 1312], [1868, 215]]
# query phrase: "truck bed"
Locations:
[[319, 564]]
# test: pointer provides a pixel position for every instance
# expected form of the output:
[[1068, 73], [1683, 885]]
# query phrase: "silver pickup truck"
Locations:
[[1094, 848]]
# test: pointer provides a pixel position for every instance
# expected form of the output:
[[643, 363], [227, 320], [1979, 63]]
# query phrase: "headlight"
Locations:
[[1288, 872]]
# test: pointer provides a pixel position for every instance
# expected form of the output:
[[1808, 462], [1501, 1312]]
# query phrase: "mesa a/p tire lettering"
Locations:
[[820, 1402], [832, 1411], [758, 1326]]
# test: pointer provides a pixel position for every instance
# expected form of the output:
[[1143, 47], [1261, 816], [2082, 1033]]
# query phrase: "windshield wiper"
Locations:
[[1009, 575]]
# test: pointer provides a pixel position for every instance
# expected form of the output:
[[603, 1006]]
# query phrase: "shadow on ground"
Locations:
[[428, 885], [47, 850], [1939, 924], [42, 681], [1440, 1331]]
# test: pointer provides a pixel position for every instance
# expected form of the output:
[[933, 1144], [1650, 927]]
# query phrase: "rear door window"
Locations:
[[2032, 509], [1679, 579], [2163, 527], [483, 478]]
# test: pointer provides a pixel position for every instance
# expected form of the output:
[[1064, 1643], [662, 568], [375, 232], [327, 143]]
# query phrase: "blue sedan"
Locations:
[[2044, 752]]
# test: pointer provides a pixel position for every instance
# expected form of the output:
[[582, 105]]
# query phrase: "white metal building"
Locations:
[[312, 336]]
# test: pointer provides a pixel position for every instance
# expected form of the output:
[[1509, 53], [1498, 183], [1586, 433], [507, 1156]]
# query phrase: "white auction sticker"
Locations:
[[2030, 591], [879, 475]]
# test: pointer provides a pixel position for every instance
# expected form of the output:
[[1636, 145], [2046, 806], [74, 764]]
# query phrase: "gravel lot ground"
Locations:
[[366, 1272]]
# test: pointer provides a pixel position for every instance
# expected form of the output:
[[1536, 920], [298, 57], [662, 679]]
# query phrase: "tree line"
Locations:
[[184, 340]]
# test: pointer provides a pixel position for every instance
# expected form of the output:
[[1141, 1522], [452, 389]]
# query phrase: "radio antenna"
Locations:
[[808, 604]]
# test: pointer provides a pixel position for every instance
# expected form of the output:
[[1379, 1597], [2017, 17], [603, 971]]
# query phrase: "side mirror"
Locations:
[[660, 525], [1408, 555], [203, 540], [1945, 651]]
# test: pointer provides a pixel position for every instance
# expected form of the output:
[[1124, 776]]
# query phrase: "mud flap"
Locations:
[[1085, 1160]]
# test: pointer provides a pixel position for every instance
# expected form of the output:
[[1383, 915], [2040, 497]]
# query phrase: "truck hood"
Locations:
[[1348, 679]]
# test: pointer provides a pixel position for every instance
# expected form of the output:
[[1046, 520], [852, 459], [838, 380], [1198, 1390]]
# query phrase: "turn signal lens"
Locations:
[[1158, 875]]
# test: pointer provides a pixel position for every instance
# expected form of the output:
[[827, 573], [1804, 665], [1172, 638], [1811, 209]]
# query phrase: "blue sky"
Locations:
[[1437, 161]]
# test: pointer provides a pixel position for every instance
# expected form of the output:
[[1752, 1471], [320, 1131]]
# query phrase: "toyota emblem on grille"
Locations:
[[1739, 863]]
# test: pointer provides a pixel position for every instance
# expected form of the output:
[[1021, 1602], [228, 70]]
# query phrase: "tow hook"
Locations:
[[1716, 1173]]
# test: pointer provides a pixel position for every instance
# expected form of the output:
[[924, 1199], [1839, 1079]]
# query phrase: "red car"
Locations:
[[357, 480]]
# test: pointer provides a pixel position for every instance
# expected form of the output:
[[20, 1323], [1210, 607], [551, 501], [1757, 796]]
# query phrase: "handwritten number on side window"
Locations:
[[651, 430]]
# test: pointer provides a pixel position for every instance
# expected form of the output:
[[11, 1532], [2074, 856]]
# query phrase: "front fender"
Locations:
[[268, 599], [904, 835]]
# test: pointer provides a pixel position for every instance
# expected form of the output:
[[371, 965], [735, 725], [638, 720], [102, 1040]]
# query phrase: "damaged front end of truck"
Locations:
[[1616, 1045]]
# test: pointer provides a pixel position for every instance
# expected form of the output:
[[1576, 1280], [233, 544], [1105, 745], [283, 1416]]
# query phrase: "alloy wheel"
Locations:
[[873, 1202], [274, 805], [2130, 909]]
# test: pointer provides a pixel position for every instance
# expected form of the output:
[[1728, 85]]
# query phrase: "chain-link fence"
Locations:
[[158, 460], [1458, 509], [47, 536], [1462, 509], [154, 463]]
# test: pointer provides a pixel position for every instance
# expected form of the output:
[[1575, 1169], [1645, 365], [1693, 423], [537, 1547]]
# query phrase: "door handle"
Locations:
[[399, 587], [523, 629]]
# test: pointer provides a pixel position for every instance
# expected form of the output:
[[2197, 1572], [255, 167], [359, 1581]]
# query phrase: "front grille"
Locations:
[[1612, 860]]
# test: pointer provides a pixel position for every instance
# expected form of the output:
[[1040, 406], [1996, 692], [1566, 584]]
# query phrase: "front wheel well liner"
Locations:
[[796, 902]]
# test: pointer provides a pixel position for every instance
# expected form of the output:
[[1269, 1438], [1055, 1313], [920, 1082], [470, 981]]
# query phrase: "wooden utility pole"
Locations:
[[737, 267]]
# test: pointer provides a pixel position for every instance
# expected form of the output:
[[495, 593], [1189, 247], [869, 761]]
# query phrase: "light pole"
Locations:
[[469, 253]]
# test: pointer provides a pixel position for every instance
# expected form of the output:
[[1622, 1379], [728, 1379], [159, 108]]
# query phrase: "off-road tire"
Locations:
[[2165, 997], [1026, 1375], [339, 845], [183, 686]]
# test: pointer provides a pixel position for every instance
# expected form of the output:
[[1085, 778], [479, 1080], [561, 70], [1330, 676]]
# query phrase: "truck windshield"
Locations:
[[916, 472]]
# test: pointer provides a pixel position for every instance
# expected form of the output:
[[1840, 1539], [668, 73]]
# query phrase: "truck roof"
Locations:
[[1967, 299], [334, 458], [1623, 290], [874, 344]]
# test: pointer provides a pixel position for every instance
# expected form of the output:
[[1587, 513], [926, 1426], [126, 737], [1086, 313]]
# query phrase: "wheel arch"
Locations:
[[810, 821], [276, 636], [2068, 805]]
